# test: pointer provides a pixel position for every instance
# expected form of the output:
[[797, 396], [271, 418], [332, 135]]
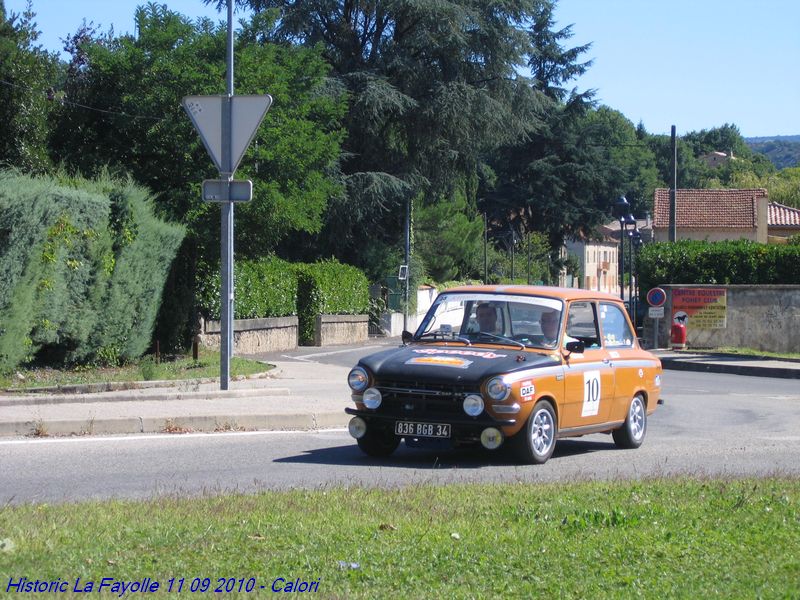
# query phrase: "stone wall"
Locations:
[[253, 336], [341, 329], [764, 317]]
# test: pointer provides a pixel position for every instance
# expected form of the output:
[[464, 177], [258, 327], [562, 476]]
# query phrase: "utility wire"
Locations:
[[50, 96]]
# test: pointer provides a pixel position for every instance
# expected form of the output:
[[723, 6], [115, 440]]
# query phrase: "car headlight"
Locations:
[[357, 379], [497, 389], [473, 405], [372, 398]]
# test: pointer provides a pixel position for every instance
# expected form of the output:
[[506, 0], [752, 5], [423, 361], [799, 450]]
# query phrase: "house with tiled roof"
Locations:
[[598, 260], [782, 221], [724, 214]]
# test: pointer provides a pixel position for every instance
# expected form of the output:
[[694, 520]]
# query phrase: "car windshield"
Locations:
[[527, 321]]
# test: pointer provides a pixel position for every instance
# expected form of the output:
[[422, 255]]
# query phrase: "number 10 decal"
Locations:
[[591, 393]]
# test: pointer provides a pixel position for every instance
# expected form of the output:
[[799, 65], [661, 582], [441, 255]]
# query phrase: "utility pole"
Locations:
[[528, 242], [673, 190], [512, 258], [485, 249], [407, 259]]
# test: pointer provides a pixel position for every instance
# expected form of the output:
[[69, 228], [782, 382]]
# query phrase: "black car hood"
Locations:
[[437, 363]]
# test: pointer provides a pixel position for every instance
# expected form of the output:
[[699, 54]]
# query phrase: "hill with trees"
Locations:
[[782, 150]]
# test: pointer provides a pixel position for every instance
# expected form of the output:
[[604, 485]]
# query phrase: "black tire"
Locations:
[[631, 434], [537, 440], [378, 443]]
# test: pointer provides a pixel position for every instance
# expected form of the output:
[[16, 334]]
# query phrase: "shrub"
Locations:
[[83, 265], [729, 262]]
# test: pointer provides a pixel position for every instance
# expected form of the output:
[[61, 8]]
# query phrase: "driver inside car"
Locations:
[[549, 323], [487, 318]]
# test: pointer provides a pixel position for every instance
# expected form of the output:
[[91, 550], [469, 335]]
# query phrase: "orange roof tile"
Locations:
[[726, 208], [779, 215]]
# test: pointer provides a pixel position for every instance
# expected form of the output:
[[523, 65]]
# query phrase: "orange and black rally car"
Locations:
[[523, 365]]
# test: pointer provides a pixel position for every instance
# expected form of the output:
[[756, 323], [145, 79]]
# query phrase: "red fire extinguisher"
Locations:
[[678, 336]]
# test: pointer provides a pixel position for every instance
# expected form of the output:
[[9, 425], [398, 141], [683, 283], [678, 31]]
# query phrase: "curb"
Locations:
[[678, 364], [176, 425], [37, 400]]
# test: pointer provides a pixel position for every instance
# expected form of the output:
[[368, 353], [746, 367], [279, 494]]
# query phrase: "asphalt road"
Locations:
[[711, 425]]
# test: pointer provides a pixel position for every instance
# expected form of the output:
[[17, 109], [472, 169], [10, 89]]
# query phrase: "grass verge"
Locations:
[[658, 539], [753, 352], [145, 369]]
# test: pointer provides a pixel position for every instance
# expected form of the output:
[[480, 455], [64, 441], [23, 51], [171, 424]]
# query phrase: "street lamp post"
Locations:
[[621, 208], [636, 243], [627, 229]]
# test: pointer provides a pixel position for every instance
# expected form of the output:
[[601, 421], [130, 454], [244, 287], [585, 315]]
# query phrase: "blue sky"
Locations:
[[696, 64]]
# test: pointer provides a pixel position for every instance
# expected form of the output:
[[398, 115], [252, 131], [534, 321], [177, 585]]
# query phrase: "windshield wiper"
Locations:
[[502, 338], [438, 335]]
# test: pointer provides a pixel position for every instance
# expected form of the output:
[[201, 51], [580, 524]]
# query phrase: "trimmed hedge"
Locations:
[[328, 288], [264, 288], [83, 265], [272, 287], [729, 262]]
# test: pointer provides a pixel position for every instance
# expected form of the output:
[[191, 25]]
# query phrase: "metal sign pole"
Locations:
[[655, 334], [227, 291], [227, 124]]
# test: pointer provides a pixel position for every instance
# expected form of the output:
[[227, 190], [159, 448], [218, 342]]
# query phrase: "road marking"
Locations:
[[305, 357], [158, 436]]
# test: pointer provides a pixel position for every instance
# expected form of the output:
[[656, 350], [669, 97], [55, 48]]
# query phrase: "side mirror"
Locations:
[[577, 347], [407, 336]]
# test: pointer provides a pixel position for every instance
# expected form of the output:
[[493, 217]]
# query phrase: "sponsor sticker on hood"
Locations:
[[458, 352], [441, 361]]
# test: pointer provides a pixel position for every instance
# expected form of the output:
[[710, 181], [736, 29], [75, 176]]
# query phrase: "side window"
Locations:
[[582, 324], [616, 331]]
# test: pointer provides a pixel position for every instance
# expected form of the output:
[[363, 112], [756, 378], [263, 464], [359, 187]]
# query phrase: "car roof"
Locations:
[[537, 290]]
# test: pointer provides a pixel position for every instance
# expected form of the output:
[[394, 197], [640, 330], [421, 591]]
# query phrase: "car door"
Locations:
[[589, 377], [619, 341]]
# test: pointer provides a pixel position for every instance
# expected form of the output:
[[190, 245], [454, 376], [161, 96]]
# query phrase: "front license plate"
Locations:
[[432, 430]]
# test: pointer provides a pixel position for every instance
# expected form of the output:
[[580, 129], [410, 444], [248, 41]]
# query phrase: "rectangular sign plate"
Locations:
[[221, 190], [655, 312], [431, 430]]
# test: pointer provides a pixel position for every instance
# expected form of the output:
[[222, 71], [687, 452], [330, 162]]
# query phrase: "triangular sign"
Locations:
[[247, 112]]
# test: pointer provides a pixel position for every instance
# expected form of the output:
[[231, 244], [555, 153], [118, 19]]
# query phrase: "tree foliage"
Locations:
[[27, 73], [135, 86], [432, 89]]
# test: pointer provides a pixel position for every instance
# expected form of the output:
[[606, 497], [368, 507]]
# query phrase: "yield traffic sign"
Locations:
[[207, 114]]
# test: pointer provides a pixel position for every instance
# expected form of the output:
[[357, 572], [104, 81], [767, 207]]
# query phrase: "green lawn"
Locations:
[[650, 539], [753, 352], [171, 368]]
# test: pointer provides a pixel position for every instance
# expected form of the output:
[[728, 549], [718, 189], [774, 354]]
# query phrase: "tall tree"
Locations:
[[625, 159], [550, 63], [27, 73], [549, 182], [432, 86]]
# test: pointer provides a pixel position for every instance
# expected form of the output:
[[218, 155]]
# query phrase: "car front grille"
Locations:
[[423, 399]]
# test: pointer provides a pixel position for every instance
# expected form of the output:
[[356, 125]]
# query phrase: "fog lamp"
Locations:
[[491, 438], [357, 427]]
